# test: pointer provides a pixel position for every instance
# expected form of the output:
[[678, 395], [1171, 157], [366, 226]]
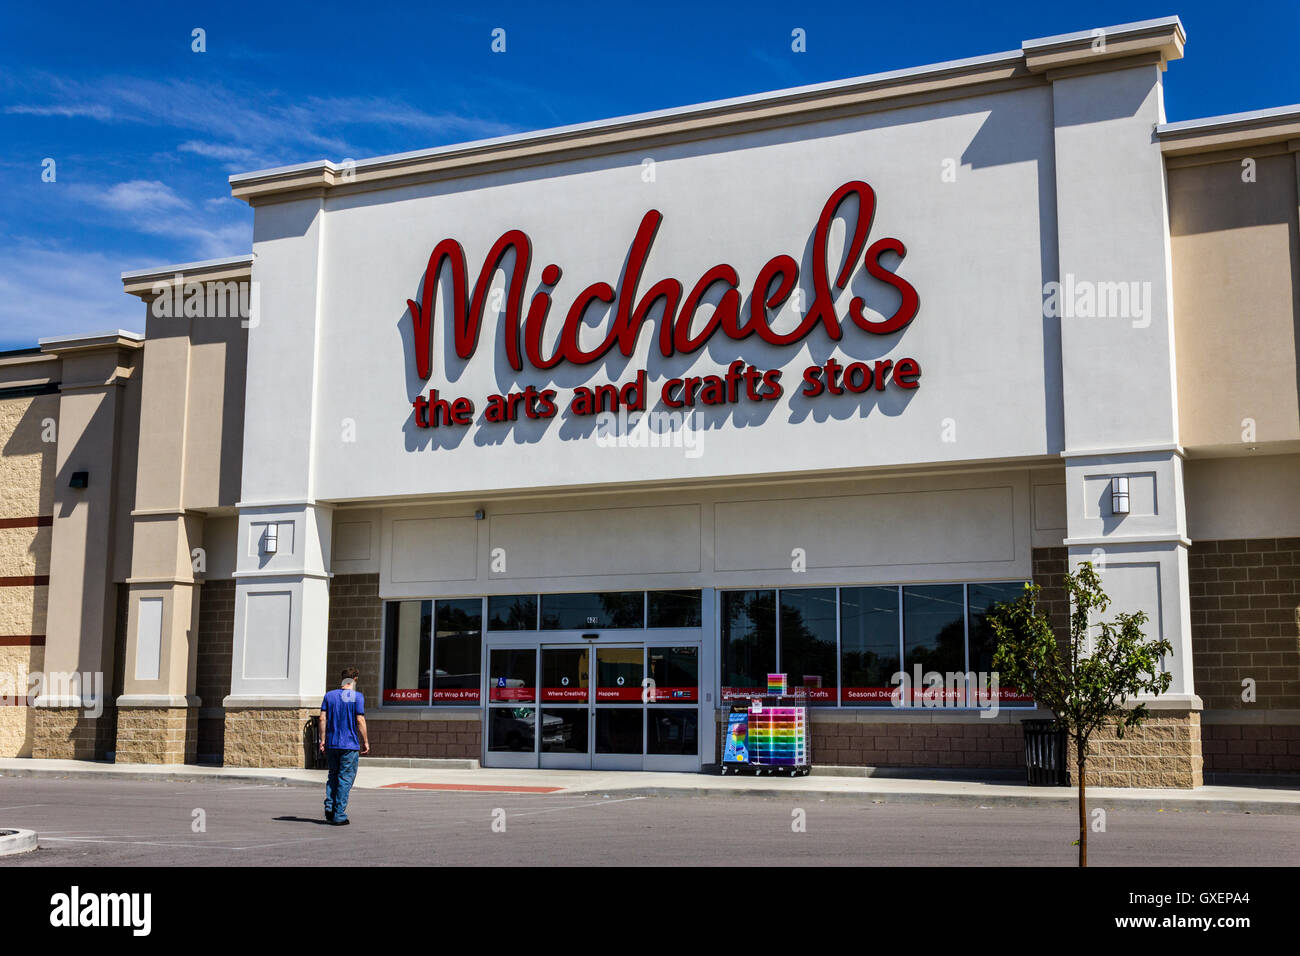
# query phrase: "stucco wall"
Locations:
[[1233, 233]]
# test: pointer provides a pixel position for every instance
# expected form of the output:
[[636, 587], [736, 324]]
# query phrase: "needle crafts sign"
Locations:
[[676, 332]]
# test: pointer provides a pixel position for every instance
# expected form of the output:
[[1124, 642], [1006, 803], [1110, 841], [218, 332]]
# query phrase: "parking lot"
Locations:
[[88, 822]]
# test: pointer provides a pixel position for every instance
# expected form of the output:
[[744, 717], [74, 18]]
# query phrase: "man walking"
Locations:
[[343, 738]]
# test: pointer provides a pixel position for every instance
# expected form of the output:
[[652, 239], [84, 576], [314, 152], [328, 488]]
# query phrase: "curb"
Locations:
[[146, 776], [1053, 797], [421, 763], [971, 800], [17, 841]]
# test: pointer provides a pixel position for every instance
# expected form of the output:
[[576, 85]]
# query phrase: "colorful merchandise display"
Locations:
[[771, 734], [778, 737]]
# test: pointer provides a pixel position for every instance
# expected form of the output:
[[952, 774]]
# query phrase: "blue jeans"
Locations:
[[343, 770]]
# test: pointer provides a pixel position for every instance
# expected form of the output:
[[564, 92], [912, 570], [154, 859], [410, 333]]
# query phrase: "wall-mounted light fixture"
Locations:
[[479, 515], [80, 479], [1119, 496], [271, 540]]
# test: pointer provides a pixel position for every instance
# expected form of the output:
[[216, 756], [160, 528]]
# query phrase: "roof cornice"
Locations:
[[1231, 131], [112, 338], [1159, 40], [145, 282]]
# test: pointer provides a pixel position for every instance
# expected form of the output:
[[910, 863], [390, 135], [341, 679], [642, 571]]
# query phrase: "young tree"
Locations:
[[1085, 679]]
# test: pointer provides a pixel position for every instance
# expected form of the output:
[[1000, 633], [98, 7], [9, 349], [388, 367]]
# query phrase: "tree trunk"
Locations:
[[1083, 813]]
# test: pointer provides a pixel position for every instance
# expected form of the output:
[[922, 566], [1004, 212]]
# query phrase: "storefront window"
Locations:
[[406, 653], [457, 646], [748, 642], [868, 645], [609, 609], [676, 674], [512, 612], [675, 609], [934, 640], [807, 639], [983, 642]]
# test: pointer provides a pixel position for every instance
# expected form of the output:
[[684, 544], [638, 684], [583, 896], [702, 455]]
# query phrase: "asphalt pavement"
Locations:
[[89, 821]]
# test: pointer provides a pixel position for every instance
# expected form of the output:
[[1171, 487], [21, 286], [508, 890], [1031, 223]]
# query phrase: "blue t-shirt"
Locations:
[[341, 708]]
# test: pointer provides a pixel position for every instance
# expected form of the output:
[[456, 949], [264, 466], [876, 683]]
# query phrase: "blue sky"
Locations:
[[144, 131]]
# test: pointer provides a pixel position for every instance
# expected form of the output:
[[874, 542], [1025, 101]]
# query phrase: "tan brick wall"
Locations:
[[22, 609], [17, 731], [1164, 752], [156, 735], [17, 723], [66, 733], [266, 737], [25, 551], [1245, 598], [426, 738], [26, 462], [355, 631]]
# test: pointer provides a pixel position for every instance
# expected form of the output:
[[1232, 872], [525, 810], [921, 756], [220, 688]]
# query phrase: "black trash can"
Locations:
[[1045, 754], [313, 758]]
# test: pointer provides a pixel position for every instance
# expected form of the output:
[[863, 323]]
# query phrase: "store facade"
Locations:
[[567, 439]]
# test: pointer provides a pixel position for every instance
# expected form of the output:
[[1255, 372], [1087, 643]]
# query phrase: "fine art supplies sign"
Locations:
[[676, 332]]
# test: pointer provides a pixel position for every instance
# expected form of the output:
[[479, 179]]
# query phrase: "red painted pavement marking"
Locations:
[[474, 787]]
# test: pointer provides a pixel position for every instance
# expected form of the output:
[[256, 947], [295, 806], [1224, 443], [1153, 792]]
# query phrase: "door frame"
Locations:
[[644, 638]]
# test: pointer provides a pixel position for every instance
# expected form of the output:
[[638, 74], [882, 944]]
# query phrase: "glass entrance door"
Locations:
[[620, 715], [511, 717], [586, 704], [566, 708]]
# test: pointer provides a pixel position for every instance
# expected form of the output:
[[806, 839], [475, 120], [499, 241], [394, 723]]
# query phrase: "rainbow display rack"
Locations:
[[776, 738]]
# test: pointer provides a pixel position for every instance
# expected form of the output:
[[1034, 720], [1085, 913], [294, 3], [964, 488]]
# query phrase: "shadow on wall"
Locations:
[[33, 435], [1218, 198]]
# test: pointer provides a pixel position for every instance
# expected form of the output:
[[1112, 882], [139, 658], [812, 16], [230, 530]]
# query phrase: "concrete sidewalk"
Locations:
[[934, 792]]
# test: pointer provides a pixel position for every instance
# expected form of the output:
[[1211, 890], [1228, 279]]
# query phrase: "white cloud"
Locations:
[[137, 195], [47, 290], [252, 127], [233, 158], [66, 110], [210, 229]]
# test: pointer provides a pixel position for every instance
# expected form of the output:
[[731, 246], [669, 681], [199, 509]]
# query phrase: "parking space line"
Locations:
[[575, 806]]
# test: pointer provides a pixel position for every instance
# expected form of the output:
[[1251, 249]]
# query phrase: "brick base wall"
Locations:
[[149, 735], [1251, 748], [17, 720], [427, 738], [1164, 752], [982, 746], [66, 733], [1245, 598], [267, 737]]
